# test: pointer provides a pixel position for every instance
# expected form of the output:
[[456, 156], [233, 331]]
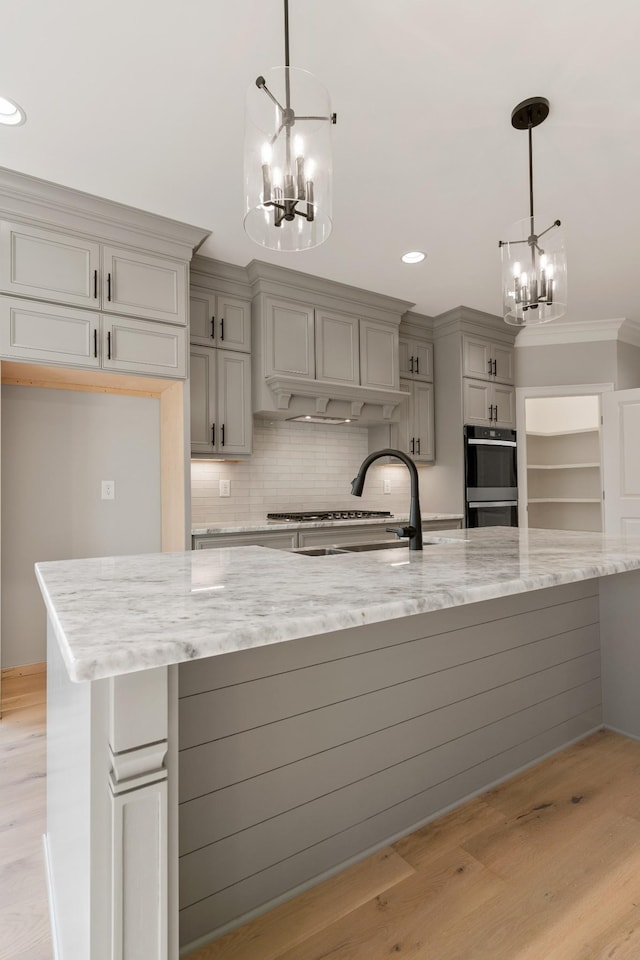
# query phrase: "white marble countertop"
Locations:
[[121, 614], [260, 526]]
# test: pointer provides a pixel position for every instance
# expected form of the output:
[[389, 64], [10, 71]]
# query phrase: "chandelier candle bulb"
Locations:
[[300, 177], [310, 203]]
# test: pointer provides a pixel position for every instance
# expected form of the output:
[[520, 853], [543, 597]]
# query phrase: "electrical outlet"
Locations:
[[108, 489], [225, 488], [386, 486]]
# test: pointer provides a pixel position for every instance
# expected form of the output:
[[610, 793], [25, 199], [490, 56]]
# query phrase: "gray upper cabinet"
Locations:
[[416, 359], [219, 320], [379, 365], [220, 383], [54, 334], [289, 342], [143, 346], [141, 285], [488, 404], [337, 347], [65, 268], [48, 333], [48, 266], [487, 360]]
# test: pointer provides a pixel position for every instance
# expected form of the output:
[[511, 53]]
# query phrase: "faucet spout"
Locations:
[[415, 518]]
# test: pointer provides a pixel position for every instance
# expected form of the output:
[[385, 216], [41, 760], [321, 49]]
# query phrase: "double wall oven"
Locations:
[[491, 477]]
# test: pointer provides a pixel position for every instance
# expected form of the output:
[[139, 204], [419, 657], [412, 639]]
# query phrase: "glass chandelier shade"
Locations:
[[534, 274], [534, 263], [287, 160]]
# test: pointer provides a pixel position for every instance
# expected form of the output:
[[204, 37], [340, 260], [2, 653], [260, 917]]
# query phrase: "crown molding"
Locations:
[[587, 331], [279, 281], [416, 325], [469, 320], [220, 277], [36, 201]]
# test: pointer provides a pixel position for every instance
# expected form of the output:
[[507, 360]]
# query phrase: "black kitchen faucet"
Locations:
[[414, 530]]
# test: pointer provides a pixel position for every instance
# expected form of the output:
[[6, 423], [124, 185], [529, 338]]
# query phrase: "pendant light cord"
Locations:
[[530, 128]]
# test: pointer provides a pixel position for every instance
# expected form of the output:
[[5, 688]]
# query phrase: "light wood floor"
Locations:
[[545, 867], [24, 914]]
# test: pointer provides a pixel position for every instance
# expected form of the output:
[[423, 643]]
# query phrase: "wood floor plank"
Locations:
[[24, 913], [292, 923]]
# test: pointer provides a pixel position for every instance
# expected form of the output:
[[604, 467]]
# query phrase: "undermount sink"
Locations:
[[376, 545]]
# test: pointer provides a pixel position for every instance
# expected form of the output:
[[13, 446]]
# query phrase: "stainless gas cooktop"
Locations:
[[330, 515]]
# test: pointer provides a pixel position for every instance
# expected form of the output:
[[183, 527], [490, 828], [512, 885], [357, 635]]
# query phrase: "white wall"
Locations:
[[57, 446], [299, 466], [551, 415]]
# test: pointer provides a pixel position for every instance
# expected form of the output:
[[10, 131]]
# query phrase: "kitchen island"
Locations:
[[248, 720]]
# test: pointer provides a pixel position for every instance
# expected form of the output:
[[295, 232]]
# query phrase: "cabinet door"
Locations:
[[424, 423], [504, 406], [337, 348], [142, 285], [416, 359], [232, 323], [202, 311], [477, 397], [47, 333], [289, 340], [48, 266], [202, 384], [476, 359], [233, 371], [276, 541], [379, 366], [502, 357], [141, 346]]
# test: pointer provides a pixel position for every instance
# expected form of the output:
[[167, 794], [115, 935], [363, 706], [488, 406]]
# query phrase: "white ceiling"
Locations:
[[142, 101]]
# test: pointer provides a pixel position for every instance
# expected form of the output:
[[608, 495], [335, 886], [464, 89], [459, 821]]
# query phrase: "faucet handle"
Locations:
[[402, 531]]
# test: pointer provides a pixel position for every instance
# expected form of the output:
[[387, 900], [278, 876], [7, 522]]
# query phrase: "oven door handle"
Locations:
[[491, 443], [493, 503]]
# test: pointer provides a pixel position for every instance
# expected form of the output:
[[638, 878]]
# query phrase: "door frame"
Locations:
[[526, 393]]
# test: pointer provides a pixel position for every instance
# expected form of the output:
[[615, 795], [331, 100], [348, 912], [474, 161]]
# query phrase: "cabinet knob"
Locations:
[[213, 328], [109, 286], [495, 365], [222, 328], [213, 434], [490, 367], [418, 450], [417, 364], [223, 434], [411, 364], [95, 284], [108, 344]]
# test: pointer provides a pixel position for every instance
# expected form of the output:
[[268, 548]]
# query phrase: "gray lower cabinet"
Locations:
[[221, 419], [53, 334], [318, 537]]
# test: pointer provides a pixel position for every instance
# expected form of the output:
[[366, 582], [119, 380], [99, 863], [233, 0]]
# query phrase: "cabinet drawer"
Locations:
[[345, 534], [48, 333], [48, 266], [142, 346]]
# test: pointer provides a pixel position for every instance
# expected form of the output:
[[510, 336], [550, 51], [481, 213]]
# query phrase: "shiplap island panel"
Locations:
[[321, 707]]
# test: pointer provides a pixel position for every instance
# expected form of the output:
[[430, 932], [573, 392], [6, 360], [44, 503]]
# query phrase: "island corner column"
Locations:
[[111, 827]]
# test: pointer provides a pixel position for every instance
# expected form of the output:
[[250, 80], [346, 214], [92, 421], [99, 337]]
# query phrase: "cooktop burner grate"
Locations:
[[329, 515]]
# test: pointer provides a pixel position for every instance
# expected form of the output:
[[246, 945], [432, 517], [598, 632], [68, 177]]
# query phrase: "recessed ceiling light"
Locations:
[[414, 256], [10, 113]]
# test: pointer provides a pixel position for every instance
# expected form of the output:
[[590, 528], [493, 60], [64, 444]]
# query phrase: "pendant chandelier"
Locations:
[[534, 267], [287, 158]]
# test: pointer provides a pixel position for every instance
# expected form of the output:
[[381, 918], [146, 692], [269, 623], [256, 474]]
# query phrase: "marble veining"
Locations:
[[121, 614], [272, 525]]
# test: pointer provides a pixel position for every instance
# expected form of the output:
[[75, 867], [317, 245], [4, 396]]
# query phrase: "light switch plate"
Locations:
[[225, 488], [386, 486], [108, 489]]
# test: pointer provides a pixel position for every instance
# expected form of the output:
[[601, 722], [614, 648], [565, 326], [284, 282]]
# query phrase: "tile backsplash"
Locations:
[[297, 466]]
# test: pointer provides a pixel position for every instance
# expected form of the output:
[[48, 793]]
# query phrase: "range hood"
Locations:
[[298, 398]]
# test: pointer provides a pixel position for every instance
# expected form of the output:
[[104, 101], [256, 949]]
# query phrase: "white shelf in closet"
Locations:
[[562, 433], [564, 500], [562, 466]]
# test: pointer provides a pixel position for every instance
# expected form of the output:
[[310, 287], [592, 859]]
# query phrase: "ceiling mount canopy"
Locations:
[[534, 267], [287, 158]]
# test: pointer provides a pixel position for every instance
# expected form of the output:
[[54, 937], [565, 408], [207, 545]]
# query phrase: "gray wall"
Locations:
[[57, 446], [567, 363], [628, 366]]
